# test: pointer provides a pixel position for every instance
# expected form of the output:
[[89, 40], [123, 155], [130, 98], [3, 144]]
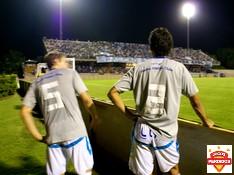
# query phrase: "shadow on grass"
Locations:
[[104, 165], [17, 107], [28, 165]]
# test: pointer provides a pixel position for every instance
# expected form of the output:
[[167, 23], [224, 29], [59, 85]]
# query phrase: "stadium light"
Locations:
[[188, 11], [61, 3], [61, 18]]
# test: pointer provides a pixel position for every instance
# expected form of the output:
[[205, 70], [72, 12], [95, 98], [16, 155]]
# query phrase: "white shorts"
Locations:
[[149, 146], [79, 151]]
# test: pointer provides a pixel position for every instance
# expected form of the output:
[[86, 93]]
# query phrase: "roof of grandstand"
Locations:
[[104, 51]]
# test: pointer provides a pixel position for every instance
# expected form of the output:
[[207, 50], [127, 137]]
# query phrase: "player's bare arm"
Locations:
[[200, 110], [26, 115], [90, 108], [114, 96]]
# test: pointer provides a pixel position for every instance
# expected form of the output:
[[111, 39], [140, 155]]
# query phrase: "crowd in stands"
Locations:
[[191, 56], [101, 69], [88, 51], [86, 69]]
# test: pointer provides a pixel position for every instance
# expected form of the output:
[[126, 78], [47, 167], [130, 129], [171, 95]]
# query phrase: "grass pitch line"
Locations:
[[198, 123]]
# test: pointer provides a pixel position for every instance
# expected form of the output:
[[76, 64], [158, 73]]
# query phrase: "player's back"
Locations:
[[157, 86], [56, 93]]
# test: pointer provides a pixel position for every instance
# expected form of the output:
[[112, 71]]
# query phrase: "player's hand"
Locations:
[[208, 123], [43, 140], [131, 115], [95, 121]]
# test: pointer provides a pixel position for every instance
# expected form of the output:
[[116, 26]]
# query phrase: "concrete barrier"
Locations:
[[114, 133]]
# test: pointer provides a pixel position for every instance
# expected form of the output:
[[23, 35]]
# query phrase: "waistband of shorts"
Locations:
[[68, 145], [157, 130]]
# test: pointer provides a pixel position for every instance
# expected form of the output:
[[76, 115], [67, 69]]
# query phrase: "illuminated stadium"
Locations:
[[84, 80], [92, 53]]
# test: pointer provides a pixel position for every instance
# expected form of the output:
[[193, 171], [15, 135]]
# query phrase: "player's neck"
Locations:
[[59, 67]]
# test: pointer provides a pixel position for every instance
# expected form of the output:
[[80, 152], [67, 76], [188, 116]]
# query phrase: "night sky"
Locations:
[[25, 22]]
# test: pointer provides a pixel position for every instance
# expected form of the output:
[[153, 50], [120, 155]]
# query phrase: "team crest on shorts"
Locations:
[[219, 158]]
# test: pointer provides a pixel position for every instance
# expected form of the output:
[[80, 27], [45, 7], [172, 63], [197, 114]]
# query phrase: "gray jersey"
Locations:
[[157, 85], [56, 94]]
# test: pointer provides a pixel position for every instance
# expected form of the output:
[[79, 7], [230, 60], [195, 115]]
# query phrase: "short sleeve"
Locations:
[[30, 97], [126, 82], [78, 83], [189, 87]]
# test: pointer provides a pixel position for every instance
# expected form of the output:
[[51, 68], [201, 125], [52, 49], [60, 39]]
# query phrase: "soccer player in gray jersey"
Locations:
[[157, 85], [66, 134]]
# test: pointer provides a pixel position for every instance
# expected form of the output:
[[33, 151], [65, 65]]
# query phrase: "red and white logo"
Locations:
[[219, 158]]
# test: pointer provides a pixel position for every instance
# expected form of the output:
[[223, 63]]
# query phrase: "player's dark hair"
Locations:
[[50, 58], [161, 41], [43, 70]]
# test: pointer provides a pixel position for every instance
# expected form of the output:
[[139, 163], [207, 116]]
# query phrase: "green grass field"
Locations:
[[19, 153], [216, 94]]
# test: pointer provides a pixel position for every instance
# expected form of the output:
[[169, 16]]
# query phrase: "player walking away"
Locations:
[[66, 136], [157, 85]]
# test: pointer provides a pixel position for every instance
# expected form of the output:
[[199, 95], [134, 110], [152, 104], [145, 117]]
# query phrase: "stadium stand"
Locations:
[[88, 54]]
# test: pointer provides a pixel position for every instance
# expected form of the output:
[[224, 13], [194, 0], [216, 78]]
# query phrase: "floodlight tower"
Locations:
[[188, 11], [61, 19], [61, 8]]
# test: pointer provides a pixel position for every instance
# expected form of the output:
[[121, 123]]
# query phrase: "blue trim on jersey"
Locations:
[[177, 146], [68, 145], [54, 146], [157, 147], [73, 143], [48, 76], [164, 146], [88, 146]]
